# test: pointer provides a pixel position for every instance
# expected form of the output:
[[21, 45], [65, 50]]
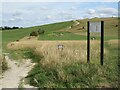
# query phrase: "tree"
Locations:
[[15, 27]]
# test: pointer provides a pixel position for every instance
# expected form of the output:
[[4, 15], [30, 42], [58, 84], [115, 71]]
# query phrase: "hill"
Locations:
[[67, 67], [63, 31]]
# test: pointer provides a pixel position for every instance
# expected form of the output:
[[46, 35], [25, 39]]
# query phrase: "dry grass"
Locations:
[[114, 43], [1, 59], [23, 44], [73, 52]]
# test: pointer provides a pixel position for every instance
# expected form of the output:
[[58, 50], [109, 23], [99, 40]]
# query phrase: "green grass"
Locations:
[[13, 35], [111, 32], [65, 36]]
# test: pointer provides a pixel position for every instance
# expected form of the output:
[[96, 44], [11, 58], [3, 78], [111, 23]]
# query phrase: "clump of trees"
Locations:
[[41, 31], [9, 28], [38, 32], [33, 33]]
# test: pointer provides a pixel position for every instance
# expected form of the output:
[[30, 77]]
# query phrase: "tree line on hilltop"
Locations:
[[9, 28]]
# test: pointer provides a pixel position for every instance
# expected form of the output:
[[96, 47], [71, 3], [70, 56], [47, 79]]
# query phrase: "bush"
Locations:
[[33, 33], [40, 31], [4, 63]]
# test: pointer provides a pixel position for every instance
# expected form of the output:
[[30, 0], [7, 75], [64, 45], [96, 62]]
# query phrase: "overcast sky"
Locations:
[[27, 14]]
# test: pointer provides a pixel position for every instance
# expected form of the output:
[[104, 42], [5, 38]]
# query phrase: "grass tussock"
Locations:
[[0, 64], [114, 43], [3, 64]]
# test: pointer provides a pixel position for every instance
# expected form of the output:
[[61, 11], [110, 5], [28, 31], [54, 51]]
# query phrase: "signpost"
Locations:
[[95, 27]]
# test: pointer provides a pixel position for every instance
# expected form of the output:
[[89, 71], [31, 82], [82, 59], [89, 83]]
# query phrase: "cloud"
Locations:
[[103, 15], [59, 1], [102, 12], [15, 19], [91, 11], [44, 8], [49, 17], [108, 11], [109, 0], [17, 13], [28, 14], [73, 8], [64, 12]]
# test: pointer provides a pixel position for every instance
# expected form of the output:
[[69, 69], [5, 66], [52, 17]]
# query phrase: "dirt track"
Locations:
[[11, 78]]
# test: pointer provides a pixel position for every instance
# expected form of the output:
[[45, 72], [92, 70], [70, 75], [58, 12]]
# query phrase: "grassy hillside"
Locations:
[[111, 31], [52, 31], [62, 31], [9, 36], [67, 68]]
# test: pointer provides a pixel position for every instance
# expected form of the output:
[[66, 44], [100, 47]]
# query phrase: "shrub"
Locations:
[[40, 31], [33, 33], [4, 63]]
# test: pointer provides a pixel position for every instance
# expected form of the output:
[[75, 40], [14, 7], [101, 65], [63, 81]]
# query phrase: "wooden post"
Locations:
[[88, 42], [102, 43]]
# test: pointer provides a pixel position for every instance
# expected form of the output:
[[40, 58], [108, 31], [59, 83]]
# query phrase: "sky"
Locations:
[[27, 14]]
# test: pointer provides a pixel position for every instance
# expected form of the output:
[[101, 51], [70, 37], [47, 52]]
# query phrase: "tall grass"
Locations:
[[3, 64], [0, 64], [73, 73], [69, 68], [73, 51]]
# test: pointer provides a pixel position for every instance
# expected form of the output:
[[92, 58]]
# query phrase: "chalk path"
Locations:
[[11, 77]]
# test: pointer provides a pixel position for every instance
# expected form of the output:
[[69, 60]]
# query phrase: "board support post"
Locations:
[[102, 43], [88, 42]]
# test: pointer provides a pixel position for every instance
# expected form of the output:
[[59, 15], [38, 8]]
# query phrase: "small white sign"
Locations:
[[60, 47], [95, 26]]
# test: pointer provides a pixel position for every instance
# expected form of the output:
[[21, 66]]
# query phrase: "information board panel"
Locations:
[[95, 27]]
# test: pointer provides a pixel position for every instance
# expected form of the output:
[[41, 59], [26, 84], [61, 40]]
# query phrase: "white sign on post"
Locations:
[[95, 26]]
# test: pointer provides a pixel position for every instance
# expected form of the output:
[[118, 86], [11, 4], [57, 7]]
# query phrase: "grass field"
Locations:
[[67, 68]]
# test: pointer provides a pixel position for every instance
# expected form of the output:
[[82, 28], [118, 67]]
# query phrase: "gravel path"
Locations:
[[11, 78]]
